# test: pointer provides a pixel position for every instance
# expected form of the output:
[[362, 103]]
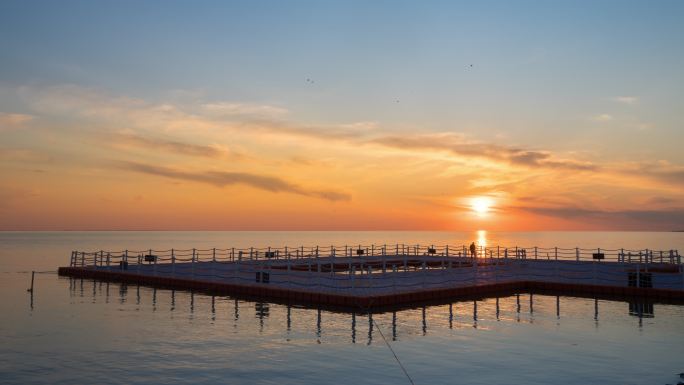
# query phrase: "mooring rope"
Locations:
[[367, 309], [393, 353]]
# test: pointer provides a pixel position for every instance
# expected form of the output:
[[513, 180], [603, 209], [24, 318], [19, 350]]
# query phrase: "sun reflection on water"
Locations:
[[482, 238]]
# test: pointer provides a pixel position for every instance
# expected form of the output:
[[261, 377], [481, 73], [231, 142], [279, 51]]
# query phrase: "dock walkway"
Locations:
[[380, 276]]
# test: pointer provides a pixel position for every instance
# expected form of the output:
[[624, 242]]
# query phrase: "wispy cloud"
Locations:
[[457, 145], [173, 146], [227, 109], [23, 155], [626, 99], [602, 118], [660, 170], [672, 219], [9, 120], [222, 178]]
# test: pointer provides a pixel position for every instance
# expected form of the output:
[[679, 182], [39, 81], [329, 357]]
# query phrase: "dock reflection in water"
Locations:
[[328, 325]]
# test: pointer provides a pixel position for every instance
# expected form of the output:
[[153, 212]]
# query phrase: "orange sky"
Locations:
[[86, 159]]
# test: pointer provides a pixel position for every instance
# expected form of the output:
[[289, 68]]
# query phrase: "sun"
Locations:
[[481, 205]]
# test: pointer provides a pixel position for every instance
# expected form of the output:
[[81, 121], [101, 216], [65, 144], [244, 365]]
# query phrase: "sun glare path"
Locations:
[[482, 238]]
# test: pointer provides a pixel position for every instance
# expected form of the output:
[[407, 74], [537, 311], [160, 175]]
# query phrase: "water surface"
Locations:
[[85, 331]]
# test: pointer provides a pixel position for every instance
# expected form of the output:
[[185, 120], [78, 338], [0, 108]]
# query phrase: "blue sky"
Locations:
[[541, 57], [599, 81]]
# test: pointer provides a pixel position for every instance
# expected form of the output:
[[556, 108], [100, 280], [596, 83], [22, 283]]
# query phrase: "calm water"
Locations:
[[77, 331]]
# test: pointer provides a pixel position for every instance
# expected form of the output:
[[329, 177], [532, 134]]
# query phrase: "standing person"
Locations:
[[473, 250]]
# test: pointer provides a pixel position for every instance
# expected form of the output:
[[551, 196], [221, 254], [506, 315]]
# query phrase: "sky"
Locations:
[[354, 115]]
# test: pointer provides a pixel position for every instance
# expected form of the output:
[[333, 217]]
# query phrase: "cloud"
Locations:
[[225, 109], [457, 145], [221, 179], [602, 118], [326, 132], [672, 219], [13, 120], [661, 170], [213, 118], [23, 155], [172, 146], [626, 99]]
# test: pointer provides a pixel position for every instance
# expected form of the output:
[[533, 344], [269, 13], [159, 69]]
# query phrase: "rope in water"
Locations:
[[393, 353]]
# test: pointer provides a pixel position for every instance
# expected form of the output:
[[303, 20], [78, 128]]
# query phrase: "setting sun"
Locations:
[[481, 205]]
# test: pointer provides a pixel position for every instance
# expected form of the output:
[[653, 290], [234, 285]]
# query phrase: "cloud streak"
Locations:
[[672, 219], [602, 118], [222, 179], [626, 99], [227, 109], [13, 120], [456, 145], [172, 146]]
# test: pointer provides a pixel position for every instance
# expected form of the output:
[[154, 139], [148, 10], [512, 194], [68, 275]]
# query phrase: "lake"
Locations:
[[85, 331]]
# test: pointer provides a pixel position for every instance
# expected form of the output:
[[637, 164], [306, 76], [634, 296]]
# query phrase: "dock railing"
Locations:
[[482, 253], [382, 269]]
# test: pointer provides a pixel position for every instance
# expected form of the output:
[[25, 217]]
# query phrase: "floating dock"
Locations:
[[381, 276]]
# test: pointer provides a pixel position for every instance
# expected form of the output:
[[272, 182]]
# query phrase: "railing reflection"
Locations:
[[403, 322]]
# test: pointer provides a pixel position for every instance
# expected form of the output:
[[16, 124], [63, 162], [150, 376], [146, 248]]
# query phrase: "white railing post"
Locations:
[[192, 263], [475, 267], [352, 272], [154, 257], [405, 261], [173, 262], [384, 262]]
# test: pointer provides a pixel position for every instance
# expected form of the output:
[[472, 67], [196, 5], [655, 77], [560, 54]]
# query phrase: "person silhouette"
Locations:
[[473, 250]]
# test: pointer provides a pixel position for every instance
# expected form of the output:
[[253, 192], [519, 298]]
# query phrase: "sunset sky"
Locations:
[[341, 115]]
